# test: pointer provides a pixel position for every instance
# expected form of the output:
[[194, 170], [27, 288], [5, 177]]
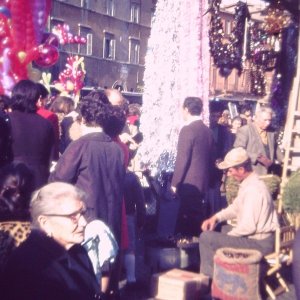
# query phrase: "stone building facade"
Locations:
[[116, 32]]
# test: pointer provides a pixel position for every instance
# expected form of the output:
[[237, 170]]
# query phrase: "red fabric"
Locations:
[[132, 119], [125, 149]]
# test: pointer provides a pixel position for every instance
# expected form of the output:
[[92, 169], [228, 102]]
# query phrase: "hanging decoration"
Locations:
[[71, 79], [276, 19], [62, 31], [227, 53], [265, 46]]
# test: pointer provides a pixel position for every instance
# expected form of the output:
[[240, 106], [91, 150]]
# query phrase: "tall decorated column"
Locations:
[[177, 66]]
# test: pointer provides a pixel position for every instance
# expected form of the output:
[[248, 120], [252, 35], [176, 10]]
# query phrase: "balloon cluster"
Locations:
[[71, 79], [227, 54], [65, 37], [21, 40]]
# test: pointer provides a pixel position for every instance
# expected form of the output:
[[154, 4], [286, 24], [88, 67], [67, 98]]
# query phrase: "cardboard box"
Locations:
[[178, 284]]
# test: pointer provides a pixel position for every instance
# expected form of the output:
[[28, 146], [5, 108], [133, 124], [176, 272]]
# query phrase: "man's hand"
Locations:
[[209, 224], [264, 160]]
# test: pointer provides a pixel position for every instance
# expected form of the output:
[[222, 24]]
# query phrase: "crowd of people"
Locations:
[[63, 166], [82, 149]]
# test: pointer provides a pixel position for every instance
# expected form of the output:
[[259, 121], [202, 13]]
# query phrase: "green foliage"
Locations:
[[291, 194], [232, 186]]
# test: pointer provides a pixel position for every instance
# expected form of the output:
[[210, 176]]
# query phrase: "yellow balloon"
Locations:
[[22, 56]]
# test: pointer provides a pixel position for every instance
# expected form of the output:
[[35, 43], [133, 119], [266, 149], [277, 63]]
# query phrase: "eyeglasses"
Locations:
[[74, 217]]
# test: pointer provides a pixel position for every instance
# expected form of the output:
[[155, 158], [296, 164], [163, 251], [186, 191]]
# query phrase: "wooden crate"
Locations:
[[178, 284]]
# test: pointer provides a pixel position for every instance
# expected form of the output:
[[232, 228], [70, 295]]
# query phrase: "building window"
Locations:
[[134, 51], [89, 44], [110, 7], [85, 3], [109, 46], [135, 13], [87, 48]]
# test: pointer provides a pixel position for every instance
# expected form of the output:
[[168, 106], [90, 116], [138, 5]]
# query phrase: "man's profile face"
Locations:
[[236, 173], [263, 120]]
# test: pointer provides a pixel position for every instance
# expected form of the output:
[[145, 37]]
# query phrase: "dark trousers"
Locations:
[[192, 212], [211, 241]]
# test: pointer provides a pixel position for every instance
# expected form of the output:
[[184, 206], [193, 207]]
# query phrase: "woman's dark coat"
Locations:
[[32, 143], [41, 269], [95, 164]]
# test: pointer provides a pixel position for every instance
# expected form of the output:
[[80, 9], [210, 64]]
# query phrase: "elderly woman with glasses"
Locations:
[[51, 263]]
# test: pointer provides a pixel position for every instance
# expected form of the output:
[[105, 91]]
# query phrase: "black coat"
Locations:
[[41, 269], [95, 164], [134, 197], [32, 143], [5, 140]]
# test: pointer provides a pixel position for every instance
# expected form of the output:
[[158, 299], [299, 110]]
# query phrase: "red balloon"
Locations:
[[31, 55], [50, 39], [48, 56]]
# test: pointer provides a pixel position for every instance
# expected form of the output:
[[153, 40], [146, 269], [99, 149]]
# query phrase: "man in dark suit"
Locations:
[[258, 139], [194, 163]]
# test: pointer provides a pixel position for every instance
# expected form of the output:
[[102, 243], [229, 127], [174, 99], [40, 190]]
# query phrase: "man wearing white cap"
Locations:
[[253, 209]]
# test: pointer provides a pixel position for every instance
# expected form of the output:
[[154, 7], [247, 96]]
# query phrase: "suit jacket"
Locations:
[[32, 143], [95, 164], [40, 268], [195, 157], [248, 137]]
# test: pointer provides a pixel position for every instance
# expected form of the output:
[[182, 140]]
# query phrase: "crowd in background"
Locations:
[[92, 146]]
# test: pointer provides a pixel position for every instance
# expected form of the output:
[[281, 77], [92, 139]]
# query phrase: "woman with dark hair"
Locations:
[[95, 163], [15, 191], [64, 108], [32, 135]]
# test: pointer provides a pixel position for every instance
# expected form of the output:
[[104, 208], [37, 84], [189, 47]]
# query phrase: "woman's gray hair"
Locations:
[[46, 199]]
